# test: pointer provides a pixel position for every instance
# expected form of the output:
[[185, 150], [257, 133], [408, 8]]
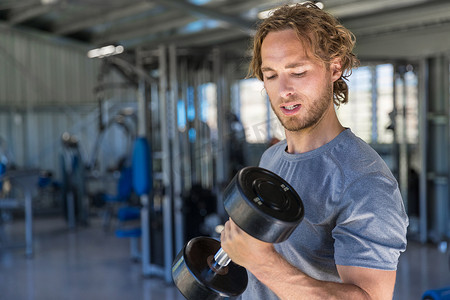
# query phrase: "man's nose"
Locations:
[[286, 86]]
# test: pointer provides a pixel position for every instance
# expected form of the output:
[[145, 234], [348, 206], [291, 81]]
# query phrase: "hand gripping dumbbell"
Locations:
[[263, 205]]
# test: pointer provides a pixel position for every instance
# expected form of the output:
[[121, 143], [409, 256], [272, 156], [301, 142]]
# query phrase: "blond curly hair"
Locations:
[[326, 37]]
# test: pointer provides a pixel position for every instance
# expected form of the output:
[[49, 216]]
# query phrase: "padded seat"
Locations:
[[129, 233], [128, 213]]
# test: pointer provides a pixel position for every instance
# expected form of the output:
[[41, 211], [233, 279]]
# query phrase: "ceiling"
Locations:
[[199, 23]]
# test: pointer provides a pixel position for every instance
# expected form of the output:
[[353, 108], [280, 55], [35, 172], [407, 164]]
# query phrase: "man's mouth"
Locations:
[[290, 109]]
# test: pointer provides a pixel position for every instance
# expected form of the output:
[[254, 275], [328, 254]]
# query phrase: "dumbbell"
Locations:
[[263, 205]]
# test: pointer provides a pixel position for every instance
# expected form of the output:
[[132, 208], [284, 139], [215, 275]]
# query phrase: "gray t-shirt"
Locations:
[[354, 213]]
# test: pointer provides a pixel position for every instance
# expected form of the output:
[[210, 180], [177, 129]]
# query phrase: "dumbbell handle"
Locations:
[[221, 258]]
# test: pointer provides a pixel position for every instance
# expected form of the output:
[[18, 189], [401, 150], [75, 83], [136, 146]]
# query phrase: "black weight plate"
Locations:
[[195, 279], [271, 194], [263, 204]]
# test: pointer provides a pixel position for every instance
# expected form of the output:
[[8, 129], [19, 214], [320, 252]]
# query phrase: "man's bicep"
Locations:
[[378, 284]]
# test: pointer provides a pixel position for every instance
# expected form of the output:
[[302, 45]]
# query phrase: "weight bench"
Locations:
[[126, 214], [439, 294]]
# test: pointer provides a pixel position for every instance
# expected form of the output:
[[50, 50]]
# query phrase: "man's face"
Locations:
[[298, 85]]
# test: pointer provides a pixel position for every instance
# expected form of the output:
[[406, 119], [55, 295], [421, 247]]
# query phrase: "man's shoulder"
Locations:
[[275, 151], [357, 158]]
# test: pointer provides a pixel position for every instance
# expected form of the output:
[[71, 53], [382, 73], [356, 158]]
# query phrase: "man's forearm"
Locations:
[[288, 282]]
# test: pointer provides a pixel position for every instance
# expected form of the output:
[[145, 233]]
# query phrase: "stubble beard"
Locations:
[[311, 115]]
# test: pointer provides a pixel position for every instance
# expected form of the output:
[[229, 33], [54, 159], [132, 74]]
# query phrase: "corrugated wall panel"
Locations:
[[16, 138], [36, 71], [49, 138], [46, 90], [34, 138]]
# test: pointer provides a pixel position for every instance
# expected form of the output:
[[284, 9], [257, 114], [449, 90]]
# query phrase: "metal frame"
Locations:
[[434, 146], [25, 180], [166, 163], [176, 149], [221, 150]]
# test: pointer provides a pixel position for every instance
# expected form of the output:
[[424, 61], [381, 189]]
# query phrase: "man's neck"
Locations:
[[308, 139]]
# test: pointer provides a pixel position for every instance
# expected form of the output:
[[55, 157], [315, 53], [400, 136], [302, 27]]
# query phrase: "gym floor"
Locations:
[[89, 263]]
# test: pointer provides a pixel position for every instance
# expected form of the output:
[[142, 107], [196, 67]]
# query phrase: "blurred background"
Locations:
[[121, 123]]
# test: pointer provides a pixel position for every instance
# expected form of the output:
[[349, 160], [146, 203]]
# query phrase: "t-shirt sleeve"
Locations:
[[371, 224]]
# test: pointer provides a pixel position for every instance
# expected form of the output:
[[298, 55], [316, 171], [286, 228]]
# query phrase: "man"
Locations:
[[348, 245]]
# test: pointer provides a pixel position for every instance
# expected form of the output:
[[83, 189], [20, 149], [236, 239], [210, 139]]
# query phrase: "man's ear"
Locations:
[[336, 69]]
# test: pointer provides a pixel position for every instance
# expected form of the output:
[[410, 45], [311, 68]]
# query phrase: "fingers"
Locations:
[[226, 228], [228, 231], [222, 233], [231, 231]]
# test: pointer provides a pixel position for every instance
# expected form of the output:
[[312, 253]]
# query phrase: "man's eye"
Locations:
[[299, 74]]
